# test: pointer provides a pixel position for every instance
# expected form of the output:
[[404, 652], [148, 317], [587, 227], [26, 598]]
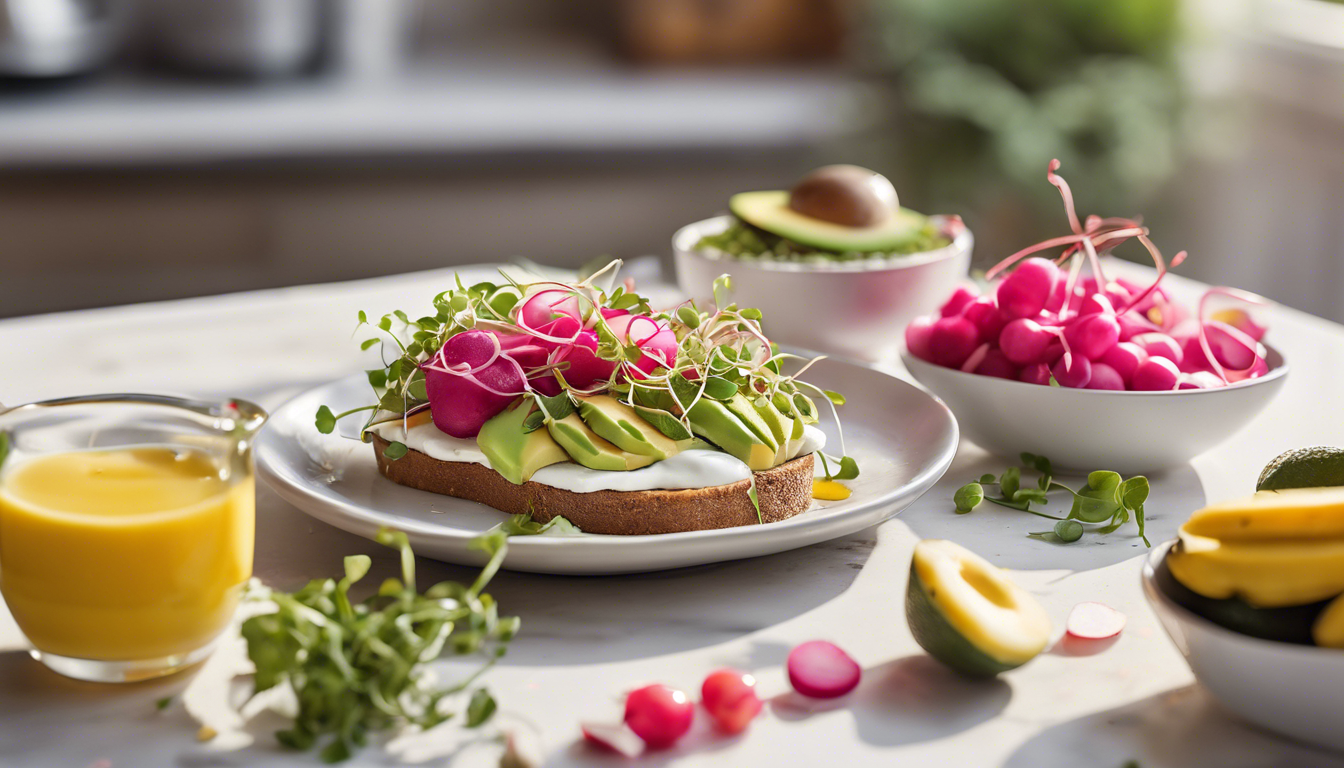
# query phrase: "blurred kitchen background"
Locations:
[[154, 149]]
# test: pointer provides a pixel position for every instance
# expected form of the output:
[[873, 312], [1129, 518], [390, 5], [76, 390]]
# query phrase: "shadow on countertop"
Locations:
[[1180, 728], [575, 620]]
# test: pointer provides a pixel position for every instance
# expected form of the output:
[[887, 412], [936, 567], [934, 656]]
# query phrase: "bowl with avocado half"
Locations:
[[1252, 593], [835, 262]]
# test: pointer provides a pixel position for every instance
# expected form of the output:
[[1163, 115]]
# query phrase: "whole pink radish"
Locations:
[[659, 715], [1075, 375], [1024, 341], [1193, 359], [952, 340], [730, 698], [958, 301], [997, 364], [1200, 380], [1092, 335], [1096, 303], [1118, 294], [975, 359], [1231, 347], [1124, 359], [1056, 301], [655, 339], [917, 337], [1024, 292], [1105, 377], [1159, 344], [1258, 369], [582, 367], [544, 306], [987, 318], [1242, 321], [1156, 374], [1036, 373], [462, 394], [1132, 324]]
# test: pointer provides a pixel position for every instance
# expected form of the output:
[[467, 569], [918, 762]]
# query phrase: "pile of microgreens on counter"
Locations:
[[358, 668], [718, 354], [1107, 502]]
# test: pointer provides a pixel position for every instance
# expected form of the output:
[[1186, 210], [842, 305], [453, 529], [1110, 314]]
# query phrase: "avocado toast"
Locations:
[[577, 400]]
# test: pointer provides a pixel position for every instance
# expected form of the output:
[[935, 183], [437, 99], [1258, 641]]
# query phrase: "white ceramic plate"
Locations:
[[903, 438]]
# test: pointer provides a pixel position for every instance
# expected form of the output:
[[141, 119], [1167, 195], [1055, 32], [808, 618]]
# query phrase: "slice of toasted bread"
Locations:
[[783, 491]]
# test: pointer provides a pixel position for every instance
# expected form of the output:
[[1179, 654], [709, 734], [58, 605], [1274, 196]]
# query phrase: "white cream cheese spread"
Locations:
[[688, 469]]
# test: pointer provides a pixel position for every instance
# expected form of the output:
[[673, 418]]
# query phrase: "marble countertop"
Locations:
[[587, 640]]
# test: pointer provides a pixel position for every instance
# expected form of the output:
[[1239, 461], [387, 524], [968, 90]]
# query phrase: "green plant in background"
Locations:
[[991, 90]]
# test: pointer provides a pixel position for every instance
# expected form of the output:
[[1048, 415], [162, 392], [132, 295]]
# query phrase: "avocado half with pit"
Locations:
[[968, 615], [837, 208]]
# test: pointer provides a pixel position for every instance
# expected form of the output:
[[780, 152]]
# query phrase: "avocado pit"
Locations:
[[846, 195]]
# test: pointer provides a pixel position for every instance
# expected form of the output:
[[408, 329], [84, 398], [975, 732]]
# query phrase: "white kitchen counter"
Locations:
[[586, 640]]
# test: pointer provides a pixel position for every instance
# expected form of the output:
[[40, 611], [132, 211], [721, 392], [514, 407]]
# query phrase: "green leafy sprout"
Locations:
[[720, 354], [357, 668], [1107, 502]]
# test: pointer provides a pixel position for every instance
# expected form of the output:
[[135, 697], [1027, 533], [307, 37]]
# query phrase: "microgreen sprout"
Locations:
[[356, 668], [662, 364], [1107, 502]]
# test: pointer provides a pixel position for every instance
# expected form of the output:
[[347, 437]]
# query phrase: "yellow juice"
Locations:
[[128, 554]]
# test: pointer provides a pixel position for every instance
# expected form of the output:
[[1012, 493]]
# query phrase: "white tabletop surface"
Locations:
[[586, 640]]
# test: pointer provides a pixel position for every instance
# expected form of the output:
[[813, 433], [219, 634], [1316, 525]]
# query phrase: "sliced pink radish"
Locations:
[[1095, 621], [822, 670], [616, 737]]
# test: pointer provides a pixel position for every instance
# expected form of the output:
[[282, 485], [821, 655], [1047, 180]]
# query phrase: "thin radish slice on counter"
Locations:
[[822, 671], [616, 737], [1095, 621]]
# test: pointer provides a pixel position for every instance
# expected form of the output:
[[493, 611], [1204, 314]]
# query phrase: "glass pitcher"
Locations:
[[126, 529]]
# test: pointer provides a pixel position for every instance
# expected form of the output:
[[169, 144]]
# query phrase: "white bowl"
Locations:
[[1090, 429], [1295, 690], [857, 309]]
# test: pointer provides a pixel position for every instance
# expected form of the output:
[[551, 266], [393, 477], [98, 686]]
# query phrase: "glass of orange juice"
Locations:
[[126, 529]]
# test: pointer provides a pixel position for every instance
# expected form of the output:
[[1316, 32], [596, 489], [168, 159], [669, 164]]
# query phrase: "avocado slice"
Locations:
[[1294, 514], [782, 428], [621, 425], [743, 409], [1266, 574], [770, 211], [968, 615], [513, 453], [1328, 631], [713, 421], [584, 446], [1292, 624]]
